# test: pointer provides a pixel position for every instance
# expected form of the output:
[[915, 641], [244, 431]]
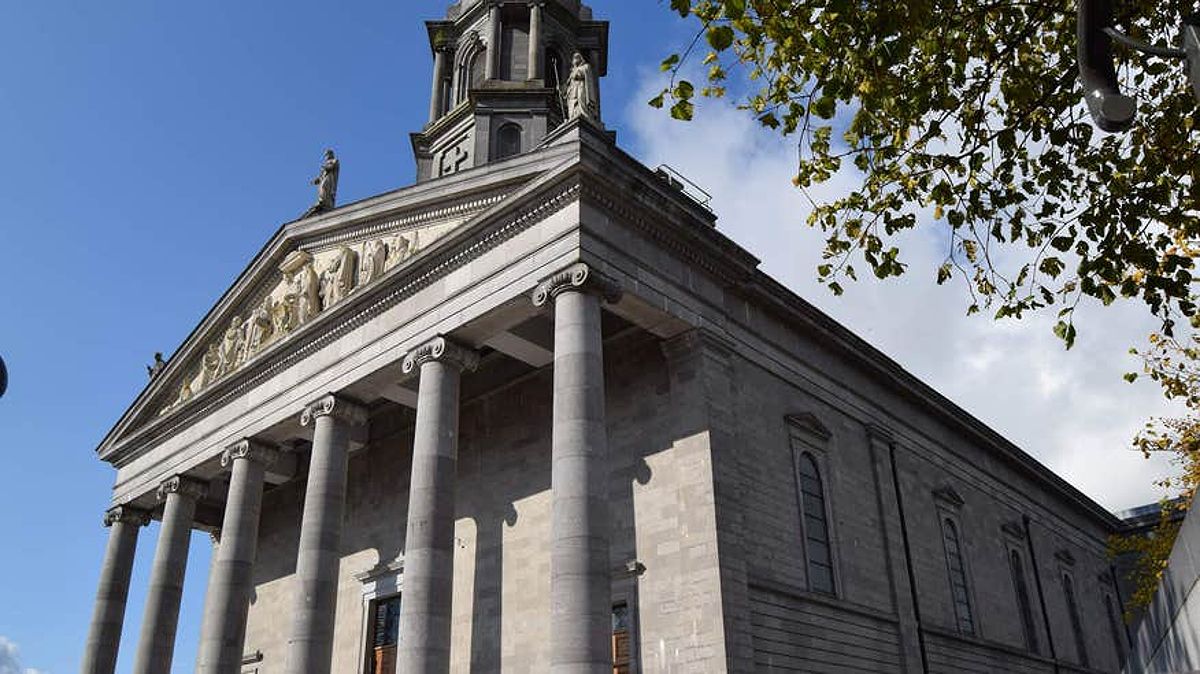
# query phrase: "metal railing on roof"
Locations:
[[680, 182]]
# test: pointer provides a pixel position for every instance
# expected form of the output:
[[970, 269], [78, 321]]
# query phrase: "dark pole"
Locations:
[[1112, 110], [3, 378]]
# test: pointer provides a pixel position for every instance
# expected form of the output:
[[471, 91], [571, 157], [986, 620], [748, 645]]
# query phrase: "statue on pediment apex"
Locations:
[[326, 184], [159, 365]]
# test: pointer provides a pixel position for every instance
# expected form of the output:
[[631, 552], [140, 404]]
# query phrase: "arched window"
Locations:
[[958, 578], [508, 141], [1023, 605], [472, 69], [1076, 624], [816, 526]]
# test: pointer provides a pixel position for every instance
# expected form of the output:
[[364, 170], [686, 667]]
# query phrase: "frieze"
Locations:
[[307, 285]]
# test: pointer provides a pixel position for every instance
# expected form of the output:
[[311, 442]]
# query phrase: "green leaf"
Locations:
[[657, 101], [669, 62], [684, 7], [683, 111], [720, 38], [1131, 377]]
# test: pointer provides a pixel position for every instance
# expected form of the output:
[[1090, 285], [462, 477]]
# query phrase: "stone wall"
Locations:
[[661, 507]]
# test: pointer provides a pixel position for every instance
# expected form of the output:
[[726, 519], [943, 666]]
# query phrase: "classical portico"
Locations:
[[403, 306]]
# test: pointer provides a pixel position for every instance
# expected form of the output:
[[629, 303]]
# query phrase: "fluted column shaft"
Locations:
[[310, 647], [492, 68], [439, 79], [108, 615], [535, 41], [580, 590], [156, 645], [232, 578], [425, 610]]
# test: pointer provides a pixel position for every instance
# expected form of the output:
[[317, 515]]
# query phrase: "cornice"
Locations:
[[441, 350]]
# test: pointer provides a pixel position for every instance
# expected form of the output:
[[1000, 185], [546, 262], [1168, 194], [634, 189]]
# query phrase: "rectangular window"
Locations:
[[622, 639], [384, 635]]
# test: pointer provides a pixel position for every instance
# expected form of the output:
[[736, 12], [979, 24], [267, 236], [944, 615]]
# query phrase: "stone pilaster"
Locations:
[[881, 444], [703, 391], [580, 586], [156, 646], [425, 612], [231, 580], [108, 615], [334, 420]]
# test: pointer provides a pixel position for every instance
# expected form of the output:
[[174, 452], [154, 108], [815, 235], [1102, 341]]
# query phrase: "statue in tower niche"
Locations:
[[326, 185], [582, 95]]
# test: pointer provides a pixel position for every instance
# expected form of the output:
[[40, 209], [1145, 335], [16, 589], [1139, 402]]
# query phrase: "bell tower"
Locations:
[[499, 67]]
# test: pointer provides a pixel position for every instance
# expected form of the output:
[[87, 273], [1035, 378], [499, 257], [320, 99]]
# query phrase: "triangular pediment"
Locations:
[[308, 270]]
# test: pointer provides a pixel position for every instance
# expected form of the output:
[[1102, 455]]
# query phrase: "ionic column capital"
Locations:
[[333, 405], [126, 514], [252, 450], [442, 350], [183, 485], [579, 277]]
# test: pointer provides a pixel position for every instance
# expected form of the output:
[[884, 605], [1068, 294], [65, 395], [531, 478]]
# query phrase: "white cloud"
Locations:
[[10, 661], [1071, 410]]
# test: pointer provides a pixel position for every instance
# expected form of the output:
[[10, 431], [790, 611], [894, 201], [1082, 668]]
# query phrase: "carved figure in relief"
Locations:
[[582, 95], [307, 289], [339, 278], [210, 365], [283, 315], [260, 327], [400, 249], [232, 345], [374, 261], [158, 366], [326, 184]]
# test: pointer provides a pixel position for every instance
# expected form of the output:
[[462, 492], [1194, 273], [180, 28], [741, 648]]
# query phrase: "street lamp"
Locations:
[[1112, 110]]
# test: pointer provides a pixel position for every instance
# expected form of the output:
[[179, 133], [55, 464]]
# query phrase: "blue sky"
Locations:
[[151, 148]]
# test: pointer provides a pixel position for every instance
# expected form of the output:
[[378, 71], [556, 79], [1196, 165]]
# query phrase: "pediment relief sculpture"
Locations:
[[307, 284]]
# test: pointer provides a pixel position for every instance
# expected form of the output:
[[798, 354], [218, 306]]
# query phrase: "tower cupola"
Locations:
[[502, 79]]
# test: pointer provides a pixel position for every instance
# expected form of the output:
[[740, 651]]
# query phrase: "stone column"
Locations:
[[580, 587], [535, 41], [439, 77], [492, 69], [232, 579], [429, 542], [108, 616], [156, 645], [310, 647]]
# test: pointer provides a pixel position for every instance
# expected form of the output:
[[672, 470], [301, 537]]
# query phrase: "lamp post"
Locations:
[[1112, 110]]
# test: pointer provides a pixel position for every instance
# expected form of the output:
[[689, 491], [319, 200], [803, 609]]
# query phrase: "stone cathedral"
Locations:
[[537, 413]]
